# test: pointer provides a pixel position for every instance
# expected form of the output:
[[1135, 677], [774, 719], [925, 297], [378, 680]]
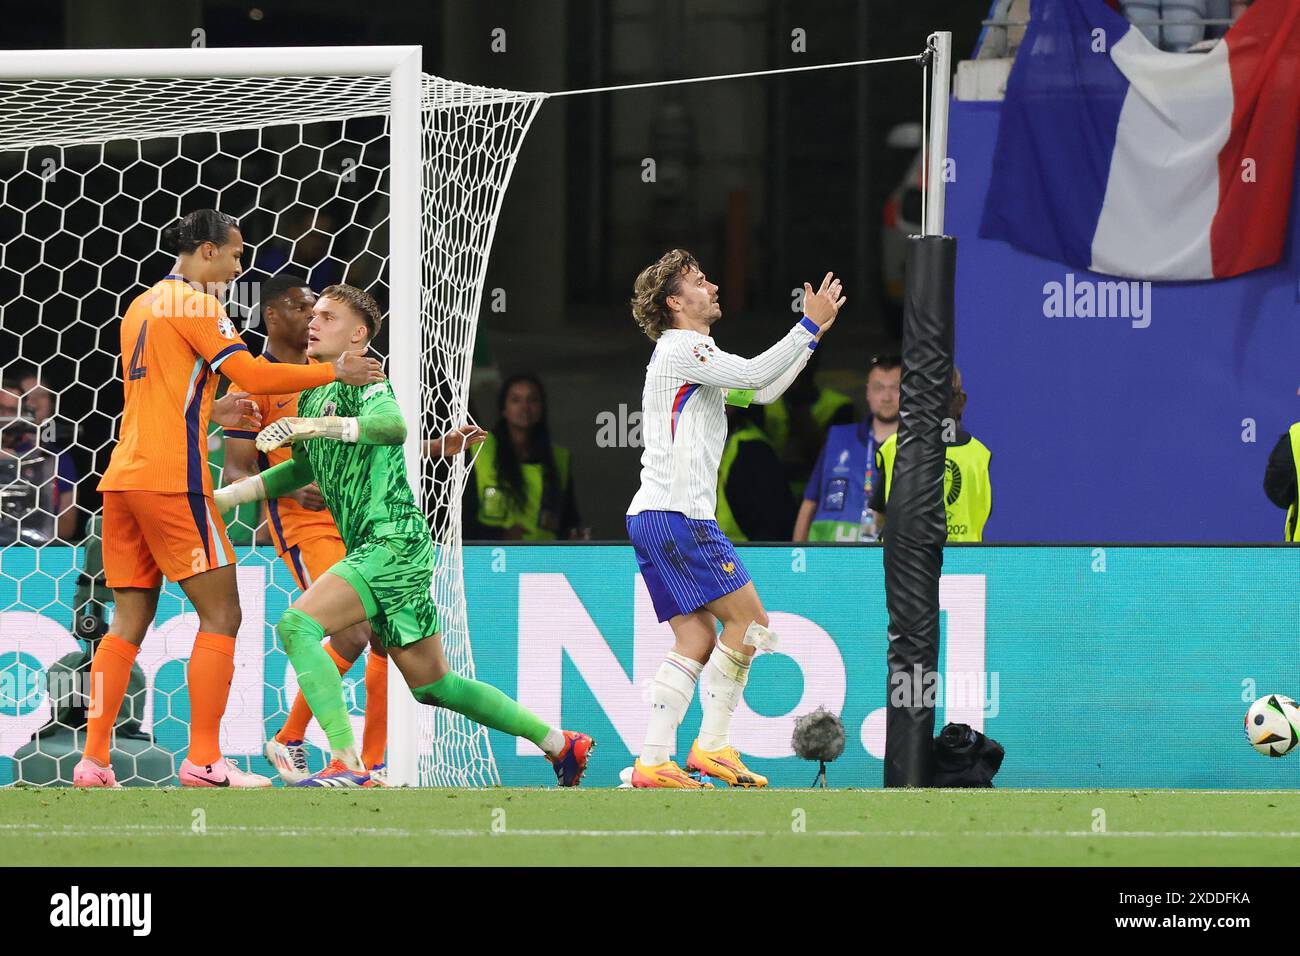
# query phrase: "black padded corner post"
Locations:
[[915, 525]]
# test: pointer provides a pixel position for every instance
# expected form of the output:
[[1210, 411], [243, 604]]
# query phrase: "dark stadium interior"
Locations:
[[765, 194], [1040, 480]]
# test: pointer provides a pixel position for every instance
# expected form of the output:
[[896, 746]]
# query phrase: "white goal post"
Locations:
[[450, 153], [936, 151]]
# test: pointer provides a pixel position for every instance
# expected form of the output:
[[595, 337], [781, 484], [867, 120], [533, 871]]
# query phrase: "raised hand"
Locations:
[[454, 442], [460, 438], [353, 368], [234, 410], [823, 305]]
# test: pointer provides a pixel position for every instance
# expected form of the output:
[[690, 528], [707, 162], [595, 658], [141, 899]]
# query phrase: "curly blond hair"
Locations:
[[654, 285]]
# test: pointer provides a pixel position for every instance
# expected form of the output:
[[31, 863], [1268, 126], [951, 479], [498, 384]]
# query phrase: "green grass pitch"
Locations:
[[176, 827]]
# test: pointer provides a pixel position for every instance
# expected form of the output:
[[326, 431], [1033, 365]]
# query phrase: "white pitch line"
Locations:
[[141, 830]]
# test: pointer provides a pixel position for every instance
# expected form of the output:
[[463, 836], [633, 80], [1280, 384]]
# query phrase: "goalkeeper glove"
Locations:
[[286, 431]]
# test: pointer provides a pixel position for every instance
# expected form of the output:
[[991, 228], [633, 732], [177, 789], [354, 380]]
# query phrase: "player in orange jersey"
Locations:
[[305, 536], [158, 514]]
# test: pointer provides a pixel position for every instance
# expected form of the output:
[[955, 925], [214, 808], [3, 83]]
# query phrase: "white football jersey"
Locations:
[[683, 421]]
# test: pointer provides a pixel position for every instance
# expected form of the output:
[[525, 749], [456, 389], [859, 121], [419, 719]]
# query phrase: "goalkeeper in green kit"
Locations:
[[348, 440]]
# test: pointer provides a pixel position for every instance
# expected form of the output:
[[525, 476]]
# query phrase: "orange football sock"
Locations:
[[212, 665], [109, 673], [295, 728], [375, 737]]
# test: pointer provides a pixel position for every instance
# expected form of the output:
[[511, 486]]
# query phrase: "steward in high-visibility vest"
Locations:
[[522, 488], [754, 503], [967, 493], [539, 511], [1282, 478]]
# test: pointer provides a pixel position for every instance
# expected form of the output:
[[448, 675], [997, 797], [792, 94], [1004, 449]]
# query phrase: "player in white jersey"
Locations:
[[691, 570]]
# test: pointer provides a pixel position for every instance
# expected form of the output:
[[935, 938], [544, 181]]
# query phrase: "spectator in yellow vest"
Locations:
[[1280, 482], [968, 496], [522, 485], [754, 502]]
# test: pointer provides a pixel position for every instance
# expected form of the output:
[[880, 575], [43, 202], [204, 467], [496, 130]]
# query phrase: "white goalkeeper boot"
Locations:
[[288, 759]]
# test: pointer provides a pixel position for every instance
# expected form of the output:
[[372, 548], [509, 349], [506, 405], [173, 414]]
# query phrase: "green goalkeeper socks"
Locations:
[[483, 704], [318, 676]]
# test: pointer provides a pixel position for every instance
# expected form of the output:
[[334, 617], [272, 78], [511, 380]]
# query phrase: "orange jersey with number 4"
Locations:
[[290, 522], [174, 339]]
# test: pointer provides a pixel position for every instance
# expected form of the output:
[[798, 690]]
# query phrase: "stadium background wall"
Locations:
[[1109, 666], [1101, 431]]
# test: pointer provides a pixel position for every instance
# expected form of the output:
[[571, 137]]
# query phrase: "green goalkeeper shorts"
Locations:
[[392, 577]]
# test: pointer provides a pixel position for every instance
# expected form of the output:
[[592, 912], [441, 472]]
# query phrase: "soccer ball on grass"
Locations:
[[1273, 725]]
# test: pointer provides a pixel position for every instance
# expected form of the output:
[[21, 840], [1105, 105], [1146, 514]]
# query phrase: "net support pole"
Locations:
[[404, 350], [940, 45], [916, 524]]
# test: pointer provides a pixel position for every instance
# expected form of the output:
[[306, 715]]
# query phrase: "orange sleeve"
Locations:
[[264, 378]]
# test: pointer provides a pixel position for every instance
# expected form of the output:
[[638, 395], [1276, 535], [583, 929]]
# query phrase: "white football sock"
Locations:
[[553, 742], [725, 677], [670, 696]]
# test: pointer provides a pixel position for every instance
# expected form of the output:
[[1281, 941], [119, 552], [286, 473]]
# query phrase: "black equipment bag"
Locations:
[[965, 758]]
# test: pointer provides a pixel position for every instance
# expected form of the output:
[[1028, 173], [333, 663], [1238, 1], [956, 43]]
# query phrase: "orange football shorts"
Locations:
[[152, 534]]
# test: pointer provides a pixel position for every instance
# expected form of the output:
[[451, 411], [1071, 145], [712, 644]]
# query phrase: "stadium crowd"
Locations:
[[800, 469]]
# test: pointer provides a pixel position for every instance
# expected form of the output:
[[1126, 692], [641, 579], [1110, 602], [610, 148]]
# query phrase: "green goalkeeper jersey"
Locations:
[[364, 486]]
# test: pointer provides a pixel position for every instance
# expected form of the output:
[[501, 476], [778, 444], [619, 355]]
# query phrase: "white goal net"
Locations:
[[92, 167]]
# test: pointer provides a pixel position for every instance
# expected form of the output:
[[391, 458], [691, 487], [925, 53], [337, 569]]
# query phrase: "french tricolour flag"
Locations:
[[1117, 157]]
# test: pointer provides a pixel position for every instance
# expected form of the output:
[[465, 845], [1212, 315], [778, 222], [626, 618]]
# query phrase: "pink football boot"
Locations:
[[87, 773], [223, 773]]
